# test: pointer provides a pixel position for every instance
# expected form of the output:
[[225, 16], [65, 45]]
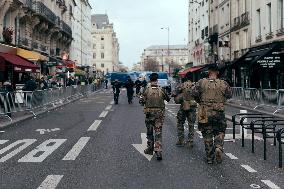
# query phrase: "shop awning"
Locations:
[[31, 55], [254, 55], [184, 72], [20, 64]]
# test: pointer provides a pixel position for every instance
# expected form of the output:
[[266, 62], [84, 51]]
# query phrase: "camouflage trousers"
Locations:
[[182, 116], [154, 122], [213, 133]]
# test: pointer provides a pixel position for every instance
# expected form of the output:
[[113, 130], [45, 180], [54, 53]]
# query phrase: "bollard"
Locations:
[[245, 121]]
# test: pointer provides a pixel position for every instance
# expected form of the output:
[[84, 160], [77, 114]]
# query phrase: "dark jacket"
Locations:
[[30, 86]]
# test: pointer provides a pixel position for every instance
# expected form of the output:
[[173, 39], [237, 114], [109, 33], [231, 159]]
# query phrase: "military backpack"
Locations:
[[154, 97]]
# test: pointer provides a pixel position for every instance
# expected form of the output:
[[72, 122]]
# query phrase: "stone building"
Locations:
[[198, 32], [166, 57], [81, 46], [105, 44], [39, 25]]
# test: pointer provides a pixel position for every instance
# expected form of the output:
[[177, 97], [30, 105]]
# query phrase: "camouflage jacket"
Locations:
[[183, 95]]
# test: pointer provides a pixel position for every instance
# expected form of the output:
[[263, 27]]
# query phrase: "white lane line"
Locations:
[[40, 153], [3, 141], [103, 114], [270, 184], [77, 148], [249, 169], [50, 182], [2, 131], [24, 144], [95, 125], [112, 102], [109, 107], [231, 156]]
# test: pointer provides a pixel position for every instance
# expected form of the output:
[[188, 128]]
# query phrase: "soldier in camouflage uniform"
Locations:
[[211, 94], [183, 96], [153, 98]]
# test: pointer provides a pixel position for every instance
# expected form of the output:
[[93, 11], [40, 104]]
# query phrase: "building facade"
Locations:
[[81, 47], [105, 44], [167, 57], [198, 32]]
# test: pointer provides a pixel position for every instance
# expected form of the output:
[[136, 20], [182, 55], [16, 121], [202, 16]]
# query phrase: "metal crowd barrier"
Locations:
[[30, 101], [259, 97], [268, 126]]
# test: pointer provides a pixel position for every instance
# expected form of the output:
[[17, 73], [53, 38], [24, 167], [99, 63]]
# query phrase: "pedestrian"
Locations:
[[138, 84], [30, 85], [116, 90], [211, 93], [153, 99], [106, 82], [187, 111], [43, 84], [95, 82], [129, 88], [144, 83]]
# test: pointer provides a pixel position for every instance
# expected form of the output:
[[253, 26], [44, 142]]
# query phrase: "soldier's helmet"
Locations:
[[153, 77]]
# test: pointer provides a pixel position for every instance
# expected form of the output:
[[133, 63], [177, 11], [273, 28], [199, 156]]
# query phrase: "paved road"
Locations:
[[92, 143]]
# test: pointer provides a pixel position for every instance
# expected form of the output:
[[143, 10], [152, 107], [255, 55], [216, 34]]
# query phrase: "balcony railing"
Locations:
[[280, 32], [34, 45], [43, 48], [245, 19], [24, 42], [258, 39], [237, 21], [44, 11], [67, 29], [269, 35], [28, 4]]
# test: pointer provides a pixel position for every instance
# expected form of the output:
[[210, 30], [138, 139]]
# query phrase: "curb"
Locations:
[[42, 112]]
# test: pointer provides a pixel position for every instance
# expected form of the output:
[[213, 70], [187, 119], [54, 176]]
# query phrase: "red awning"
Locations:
[[190, 70], [20, 64], [67, 64]]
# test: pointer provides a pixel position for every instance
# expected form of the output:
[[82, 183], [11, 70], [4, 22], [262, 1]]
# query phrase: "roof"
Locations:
[[166, 47], [101, 20]]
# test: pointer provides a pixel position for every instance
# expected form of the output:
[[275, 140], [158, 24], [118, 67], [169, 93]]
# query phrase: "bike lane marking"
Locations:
[[270, 184], [249, 168], [50, 182], [103, 114], [76, 149], [231, 156], [41, 152]]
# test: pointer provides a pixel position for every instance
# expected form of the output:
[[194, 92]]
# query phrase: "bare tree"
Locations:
[[151, 65]]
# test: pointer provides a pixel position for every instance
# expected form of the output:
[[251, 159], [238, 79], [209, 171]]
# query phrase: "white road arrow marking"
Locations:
[[43, 131], [3, 141], [141, 147]]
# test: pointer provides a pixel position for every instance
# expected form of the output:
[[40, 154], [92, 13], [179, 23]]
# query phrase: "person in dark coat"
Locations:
[[138, 84], [30, 85], [129, 88], [116, 90]]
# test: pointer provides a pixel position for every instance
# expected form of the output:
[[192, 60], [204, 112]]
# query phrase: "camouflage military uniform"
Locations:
[[154, 116], [211, 94], [187, 111]]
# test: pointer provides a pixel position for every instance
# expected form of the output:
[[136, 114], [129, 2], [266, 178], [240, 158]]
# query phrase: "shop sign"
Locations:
[[54, 63], [28, 70], [270, 61]]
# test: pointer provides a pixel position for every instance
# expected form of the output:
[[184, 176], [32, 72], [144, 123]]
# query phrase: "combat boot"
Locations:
[[149, 151], [159, 156], [218, 154], [180, 142]]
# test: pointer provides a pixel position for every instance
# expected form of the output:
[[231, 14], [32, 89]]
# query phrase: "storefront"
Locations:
[[16, 69], [35, 57], [261, 67]]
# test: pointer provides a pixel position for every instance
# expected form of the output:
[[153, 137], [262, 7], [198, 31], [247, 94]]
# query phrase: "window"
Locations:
[[238, 8], [258, 22], [102, 38], [280, 14], [246, 40], [237, 41], [246, 6], [102, 65], [94, 55], [102, 55], [94, 46], [269, 17], [102, 46]]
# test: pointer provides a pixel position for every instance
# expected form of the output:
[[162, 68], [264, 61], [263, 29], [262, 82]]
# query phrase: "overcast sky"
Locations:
[[138, 24]]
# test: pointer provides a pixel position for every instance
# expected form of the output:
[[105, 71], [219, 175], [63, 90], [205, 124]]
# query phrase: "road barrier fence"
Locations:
[[32, 101], [259, 97]]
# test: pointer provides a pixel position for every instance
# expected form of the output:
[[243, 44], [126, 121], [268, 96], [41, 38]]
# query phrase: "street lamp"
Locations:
[[168, 29]]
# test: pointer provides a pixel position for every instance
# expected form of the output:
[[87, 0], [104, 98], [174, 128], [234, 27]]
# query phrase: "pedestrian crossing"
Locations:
[[10, 149]]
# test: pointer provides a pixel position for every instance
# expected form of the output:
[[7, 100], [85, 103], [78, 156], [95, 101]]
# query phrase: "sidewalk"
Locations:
[[19, 117]]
